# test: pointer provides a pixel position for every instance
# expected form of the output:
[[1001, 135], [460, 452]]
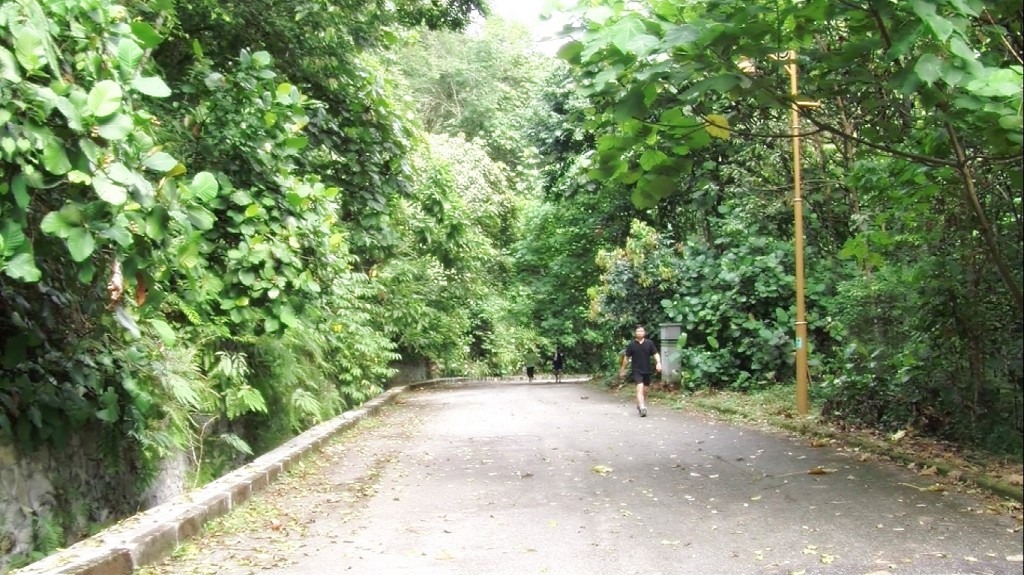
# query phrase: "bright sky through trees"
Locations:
[[528, 13]]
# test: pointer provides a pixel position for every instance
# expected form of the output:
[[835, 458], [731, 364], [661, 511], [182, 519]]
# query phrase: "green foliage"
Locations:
[[928, 352], [180, 222], [907, 143], [731, 298], [480, 86]]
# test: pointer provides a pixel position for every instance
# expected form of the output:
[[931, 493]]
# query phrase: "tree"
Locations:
[[907, 172]]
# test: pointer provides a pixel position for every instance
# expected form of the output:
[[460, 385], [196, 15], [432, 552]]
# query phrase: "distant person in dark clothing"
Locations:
[[639, 353], [558, 364]]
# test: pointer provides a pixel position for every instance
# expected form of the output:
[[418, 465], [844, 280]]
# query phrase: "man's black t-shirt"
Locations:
[[641, 354]]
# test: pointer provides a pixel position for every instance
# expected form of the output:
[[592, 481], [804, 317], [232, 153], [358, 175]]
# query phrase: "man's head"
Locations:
[[640, 332]]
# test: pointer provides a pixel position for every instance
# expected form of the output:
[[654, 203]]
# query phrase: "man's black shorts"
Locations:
[[644, 378]]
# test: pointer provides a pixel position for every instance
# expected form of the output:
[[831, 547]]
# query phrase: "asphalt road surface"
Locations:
[[544, 478]]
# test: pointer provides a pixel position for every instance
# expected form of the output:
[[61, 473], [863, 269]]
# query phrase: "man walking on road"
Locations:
[[640, 351], [558, 364]]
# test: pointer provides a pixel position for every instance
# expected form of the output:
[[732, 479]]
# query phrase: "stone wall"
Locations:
[[410, 372], [77, 483], [25, 492]]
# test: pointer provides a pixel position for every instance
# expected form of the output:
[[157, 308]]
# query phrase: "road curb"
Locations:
[[148, 536]]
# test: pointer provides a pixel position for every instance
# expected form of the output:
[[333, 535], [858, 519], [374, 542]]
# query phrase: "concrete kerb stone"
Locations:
[[150, 535]]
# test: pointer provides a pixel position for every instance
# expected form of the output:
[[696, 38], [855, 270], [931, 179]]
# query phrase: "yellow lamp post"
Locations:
[[800, 342]]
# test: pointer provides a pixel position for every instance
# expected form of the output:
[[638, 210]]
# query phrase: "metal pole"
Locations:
[[798, 243]]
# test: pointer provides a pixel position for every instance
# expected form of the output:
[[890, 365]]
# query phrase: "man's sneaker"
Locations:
[[643, 412]]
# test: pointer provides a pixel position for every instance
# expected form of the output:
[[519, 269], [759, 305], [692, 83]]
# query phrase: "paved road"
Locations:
[[499, 478]]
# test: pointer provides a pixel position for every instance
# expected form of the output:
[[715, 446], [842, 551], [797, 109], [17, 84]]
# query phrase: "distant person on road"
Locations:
[[639, 353], [557, 364], [531, 360]]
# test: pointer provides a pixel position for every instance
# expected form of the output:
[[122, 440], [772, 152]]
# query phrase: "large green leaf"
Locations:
[[73, 106], [287, 316], [287, 94], [630, 36], [23, 267], [1013, 123], [681, 35], [129, 54], [120, 173], [12, 238], [262, 59], [151, 86], [146, 34], [201, 218], [156, 223], [297, 142], [55, 224], [108, 191], [942, 27], [570, 52], [28, 48], [160, 162], [9, 69], [19, 186], [631, 105], [204, 186], [80, 244], [643, 199], [1003, 83], [116, 128], [164, 331], [105, 98], [659, 187], [119, 234], [929, 68], [55, 159]]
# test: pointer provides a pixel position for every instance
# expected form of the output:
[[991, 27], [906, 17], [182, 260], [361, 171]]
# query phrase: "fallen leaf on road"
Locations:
[[1015, 558], [971, 559], [1014, 479], [827, 559], [929, 472], [667, 542], [601, 469], [819, 443], [820, 471], [898, 435], [933, 487]]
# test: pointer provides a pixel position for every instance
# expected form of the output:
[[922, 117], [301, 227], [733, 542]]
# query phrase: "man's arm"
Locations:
[[657, 362]]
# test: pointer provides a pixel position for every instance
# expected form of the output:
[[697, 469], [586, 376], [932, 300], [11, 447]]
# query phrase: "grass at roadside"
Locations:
[[948, 465]]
